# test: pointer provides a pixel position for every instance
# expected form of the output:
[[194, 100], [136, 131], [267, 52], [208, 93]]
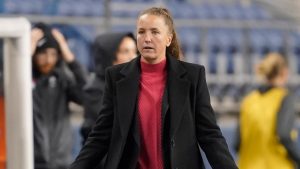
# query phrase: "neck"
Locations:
[[152, 61], [153, 68]]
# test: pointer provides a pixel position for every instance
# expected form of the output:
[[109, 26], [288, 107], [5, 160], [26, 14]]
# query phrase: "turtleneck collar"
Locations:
[[153, 68]]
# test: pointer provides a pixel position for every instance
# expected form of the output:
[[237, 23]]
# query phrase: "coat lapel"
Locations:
[[128, 88], [127, 91], [178, 92]]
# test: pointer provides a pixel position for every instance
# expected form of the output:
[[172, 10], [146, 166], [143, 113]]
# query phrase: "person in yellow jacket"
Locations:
[[266, 135]]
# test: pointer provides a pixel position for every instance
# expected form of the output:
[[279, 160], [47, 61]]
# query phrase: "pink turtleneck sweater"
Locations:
[[152, 85]]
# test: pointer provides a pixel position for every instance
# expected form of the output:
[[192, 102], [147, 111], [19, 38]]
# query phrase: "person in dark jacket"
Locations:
[[53, 89], [156, 111], [108, 49]]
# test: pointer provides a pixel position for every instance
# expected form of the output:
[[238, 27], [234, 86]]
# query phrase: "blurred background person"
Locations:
[[53, 89], [108, 49], [267, 135]]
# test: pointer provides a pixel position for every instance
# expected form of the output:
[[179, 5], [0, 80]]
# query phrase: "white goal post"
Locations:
[[18, 92]]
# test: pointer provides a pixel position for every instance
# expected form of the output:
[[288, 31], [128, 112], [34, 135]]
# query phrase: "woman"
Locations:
[[156, 109], [109, 49], [267, 119], [53, 89]]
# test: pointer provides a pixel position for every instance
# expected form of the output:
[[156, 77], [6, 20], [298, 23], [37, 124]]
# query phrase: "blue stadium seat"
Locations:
[[11, 7], [125, 13], [202, 12], [133, 14], [294, 39], [2, 6], [88, 8], [26, 7], [258, 41], [120, 0], [81, 8], [234, 12], [227, 47], [120, 28], [219, 12], [65, 8], [147, 1], [190, 35], [261, 13], [118, 13], [50, 7], [249, 13], [214, 49], [190, 43], [237, 38], [182, 10], [97, 9], [274, 40], [174, 1]]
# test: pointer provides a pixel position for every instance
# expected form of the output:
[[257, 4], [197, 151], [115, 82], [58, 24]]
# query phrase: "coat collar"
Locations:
[[173, 66], [127, 90]]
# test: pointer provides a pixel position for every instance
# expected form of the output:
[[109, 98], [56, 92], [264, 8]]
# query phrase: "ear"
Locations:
[[169, 40]]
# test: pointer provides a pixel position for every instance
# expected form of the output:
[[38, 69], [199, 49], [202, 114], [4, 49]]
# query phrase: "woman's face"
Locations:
[[127, 51], [153, 37], [46, 60]]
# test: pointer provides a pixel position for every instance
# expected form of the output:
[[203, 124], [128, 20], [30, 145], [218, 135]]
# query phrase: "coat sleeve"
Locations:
[[208, 132], [285, 124], [97, 144], [75, 86], [92, 104]]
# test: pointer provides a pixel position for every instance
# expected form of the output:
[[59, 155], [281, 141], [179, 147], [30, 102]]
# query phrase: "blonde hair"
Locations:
[[271, 66], [174, 48]]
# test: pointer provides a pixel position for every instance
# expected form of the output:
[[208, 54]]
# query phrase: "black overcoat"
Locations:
[[187, 117]]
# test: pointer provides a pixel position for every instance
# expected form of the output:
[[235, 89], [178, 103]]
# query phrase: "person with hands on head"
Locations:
[[156, 111], [53, 89]]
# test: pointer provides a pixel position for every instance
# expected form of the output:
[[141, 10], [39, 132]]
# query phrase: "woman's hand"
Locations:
[[36, 35], [67, 54]]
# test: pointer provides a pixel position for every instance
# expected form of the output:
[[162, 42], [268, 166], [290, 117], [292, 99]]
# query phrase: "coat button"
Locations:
[[172, 143]]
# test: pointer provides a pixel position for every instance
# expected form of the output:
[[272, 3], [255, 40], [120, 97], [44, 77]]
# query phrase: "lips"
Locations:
[[148, 47]]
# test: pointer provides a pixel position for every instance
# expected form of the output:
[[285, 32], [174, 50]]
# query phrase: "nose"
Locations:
[[147, 37], [48, 59]]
